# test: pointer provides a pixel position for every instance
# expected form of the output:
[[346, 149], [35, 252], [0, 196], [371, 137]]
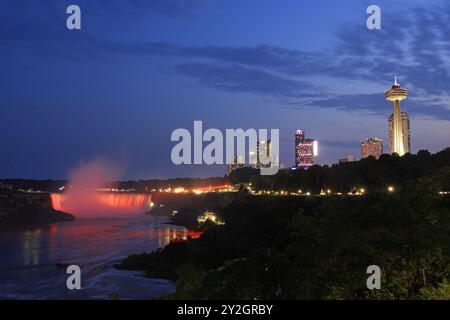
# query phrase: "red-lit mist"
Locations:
[[83, 198]]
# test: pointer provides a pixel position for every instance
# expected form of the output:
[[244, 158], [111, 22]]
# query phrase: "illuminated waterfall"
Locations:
[[100, 203]]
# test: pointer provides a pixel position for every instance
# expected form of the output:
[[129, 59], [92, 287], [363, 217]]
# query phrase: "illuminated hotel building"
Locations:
[[347, 159], [396, 140], [305, 150], [405, 132], [238, 162], [263, 148], [371, 147]]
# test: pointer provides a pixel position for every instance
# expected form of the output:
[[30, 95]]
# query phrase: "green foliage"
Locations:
[[441, 292], [114, 296], [319, 247]]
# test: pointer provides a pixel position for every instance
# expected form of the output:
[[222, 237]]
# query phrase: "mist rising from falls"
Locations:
[[82, 199]]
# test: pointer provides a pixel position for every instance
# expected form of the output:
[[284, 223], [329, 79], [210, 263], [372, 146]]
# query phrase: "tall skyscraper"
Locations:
[[305, 150], [263, 148], [371, 147], [396, 94], [406, 131]]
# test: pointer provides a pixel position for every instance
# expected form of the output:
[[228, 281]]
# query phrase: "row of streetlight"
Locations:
[[300, 192]]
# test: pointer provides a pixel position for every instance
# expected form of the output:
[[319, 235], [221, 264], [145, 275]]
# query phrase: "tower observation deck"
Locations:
[[397, 94]]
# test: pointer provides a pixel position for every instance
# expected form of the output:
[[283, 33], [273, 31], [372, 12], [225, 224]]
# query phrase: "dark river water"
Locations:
[[29, 258]]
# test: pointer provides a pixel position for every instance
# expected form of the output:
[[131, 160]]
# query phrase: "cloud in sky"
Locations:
[[173, 8], [238, 78], [376, 104], [418, 53], [132, 55]]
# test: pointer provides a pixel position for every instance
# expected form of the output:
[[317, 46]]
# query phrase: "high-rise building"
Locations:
[[305, 150], [371, 147], [263, 148], [347, 159], [238, 162], [396, 94], [405, 132]]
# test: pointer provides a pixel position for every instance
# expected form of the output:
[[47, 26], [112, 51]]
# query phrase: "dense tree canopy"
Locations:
[[318, 247], [367, 173]]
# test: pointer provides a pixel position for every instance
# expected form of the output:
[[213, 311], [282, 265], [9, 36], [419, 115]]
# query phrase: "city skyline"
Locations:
[[118, 87]]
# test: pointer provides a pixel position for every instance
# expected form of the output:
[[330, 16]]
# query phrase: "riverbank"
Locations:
[[315, 248], [21, 209]]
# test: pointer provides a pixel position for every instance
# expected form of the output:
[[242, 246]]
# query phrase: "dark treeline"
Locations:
[[368, 173], [138, 186], [147, 185], [35, 185]]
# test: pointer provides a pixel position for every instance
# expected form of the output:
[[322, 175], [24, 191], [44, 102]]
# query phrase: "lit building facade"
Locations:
[[371, 147], [305, 150], [395, 95], [347, 159], [406, 132], [263, 148]]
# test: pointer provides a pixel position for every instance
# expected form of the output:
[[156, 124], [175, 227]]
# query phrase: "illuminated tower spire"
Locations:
[[397, 94]]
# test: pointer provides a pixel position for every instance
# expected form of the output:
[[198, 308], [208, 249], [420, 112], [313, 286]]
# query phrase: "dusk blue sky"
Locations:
[[138, 69]]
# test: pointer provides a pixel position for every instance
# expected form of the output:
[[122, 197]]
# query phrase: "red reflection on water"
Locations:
[[184, 235], [96, 238], [194, 234]]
